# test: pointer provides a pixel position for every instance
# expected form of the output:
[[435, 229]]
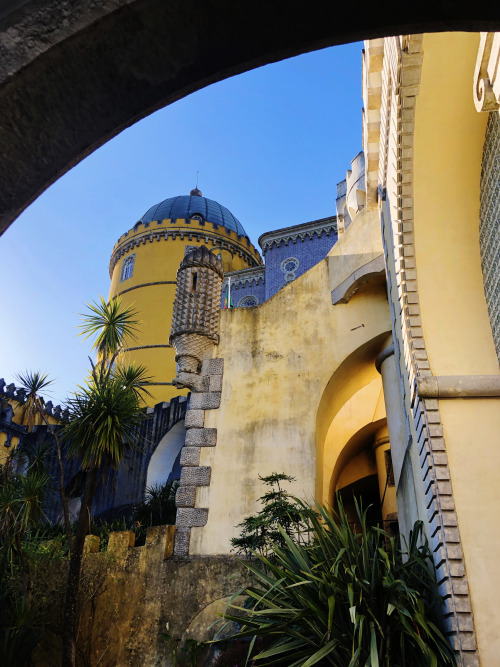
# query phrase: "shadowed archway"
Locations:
[[74, 73]]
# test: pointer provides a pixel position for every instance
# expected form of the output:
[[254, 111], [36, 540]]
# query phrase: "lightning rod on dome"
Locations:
[[195, 192]]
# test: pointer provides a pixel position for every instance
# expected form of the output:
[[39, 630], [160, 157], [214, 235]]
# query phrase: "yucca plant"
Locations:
[[158, 507], [348, 598]]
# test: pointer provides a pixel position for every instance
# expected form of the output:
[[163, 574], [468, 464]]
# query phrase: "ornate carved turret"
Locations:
[[195, 320]]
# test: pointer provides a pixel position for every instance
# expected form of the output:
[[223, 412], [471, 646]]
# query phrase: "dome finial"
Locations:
[[195, 192]]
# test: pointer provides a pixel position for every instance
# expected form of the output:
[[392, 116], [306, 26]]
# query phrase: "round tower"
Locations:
[[143, 270]]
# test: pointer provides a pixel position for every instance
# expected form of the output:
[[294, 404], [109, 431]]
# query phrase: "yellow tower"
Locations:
[[143, 270]]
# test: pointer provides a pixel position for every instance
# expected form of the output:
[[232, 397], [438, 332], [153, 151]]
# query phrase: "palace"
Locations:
[[362, 353]]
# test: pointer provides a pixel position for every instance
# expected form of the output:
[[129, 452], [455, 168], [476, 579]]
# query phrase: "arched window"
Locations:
[[127, 267], [248, 301]]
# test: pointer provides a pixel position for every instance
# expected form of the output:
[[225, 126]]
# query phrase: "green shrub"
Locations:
[[280, 513], [349, 597]]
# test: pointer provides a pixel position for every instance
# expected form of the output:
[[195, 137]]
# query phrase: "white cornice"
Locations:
[[245, 277], [298, 233]]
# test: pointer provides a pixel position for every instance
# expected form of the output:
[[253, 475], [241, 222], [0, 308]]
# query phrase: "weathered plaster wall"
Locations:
[[454, 315], [143, 590], [278, 359]]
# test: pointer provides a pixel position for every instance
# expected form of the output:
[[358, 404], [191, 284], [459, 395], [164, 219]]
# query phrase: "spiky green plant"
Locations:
[[33, 408], [110, 324], [348, 598], [103, 415], [158, 507]]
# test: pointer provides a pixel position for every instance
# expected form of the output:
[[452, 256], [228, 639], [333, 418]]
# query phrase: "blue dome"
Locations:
[[186, 206]]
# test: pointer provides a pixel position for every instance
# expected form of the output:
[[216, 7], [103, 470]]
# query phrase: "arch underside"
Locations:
[[72, 77]]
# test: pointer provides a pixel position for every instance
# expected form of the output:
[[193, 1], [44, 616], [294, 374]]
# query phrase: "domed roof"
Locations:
[[186, 206]]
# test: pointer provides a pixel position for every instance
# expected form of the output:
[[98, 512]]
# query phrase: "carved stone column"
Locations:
[[195, 320]]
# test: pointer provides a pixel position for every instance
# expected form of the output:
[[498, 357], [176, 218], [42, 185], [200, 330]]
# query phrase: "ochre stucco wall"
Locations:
[[278, 360], [449, 136]]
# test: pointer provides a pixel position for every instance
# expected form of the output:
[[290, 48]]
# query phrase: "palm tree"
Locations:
[[104, 414], [34, 412], [33, 408]]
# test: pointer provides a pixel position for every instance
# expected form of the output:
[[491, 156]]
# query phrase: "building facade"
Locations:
[[362, 356]]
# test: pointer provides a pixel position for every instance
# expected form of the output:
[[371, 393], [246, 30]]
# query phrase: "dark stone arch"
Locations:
[[74, 73]]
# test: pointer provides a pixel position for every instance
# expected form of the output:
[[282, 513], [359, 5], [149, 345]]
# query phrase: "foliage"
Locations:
[[33, 382], [103, 416], [188, 655], [109, 324], [25, 489], [158, 507], [349, 597], [281, 515]]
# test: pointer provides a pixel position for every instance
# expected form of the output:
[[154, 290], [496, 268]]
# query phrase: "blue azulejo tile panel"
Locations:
[[284, 263]]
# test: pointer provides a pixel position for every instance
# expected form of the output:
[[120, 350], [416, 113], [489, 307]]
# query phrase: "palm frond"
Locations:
[[33, 383], [110, 324], [349, 596], [102, 422]]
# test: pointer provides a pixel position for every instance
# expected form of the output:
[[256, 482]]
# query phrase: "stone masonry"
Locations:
[[197, 436]]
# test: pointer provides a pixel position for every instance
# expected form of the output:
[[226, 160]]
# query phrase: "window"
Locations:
[[248, 301], [290, 265], [127, 267]]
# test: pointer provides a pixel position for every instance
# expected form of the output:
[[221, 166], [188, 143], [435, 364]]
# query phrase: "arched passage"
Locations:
[[73, 75], [351, 436]]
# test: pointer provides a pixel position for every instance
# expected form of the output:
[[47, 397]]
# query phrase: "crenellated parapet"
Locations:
[[185, 230], [9, 392]]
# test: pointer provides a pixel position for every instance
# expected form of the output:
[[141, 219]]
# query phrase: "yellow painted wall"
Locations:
[[17, 418], [157, 262], [278, 361], [449, 136]]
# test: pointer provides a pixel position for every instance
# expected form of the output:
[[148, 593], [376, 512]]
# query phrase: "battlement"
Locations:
[[205, 232], [158, 538], [10, 392]]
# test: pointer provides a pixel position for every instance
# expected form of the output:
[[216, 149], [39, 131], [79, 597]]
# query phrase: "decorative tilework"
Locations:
[[489, 226]]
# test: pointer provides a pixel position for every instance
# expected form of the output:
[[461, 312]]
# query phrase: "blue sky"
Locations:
[[270, 145]]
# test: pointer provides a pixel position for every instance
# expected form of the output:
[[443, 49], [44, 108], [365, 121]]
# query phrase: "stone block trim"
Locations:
[[215, 383], [191, 517], [206, 395], [405, 57], [182, 539], [205, 400], [185, 496], [196, 475], [201, 437], [216, 366], [194, 418], [190, 456]]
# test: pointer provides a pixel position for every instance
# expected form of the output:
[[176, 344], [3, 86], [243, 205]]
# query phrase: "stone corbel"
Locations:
[[487, 73]]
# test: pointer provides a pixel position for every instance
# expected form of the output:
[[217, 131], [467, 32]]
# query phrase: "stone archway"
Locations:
[[73, 74]]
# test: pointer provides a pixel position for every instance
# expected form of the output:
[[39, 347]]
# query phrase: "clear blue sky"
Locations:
[[270, 145]]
